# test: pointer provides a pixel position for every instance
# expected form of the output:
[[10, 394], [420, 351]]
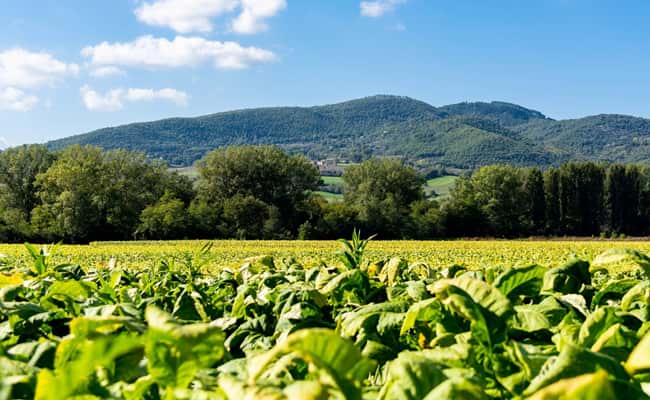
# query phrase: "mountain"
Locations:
[[464, 135]]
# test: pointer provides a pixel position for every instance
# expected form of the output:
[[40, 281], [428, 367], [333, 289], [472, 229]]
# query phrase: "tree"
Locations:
[[246, 217], [382, 191], [166, 219], [615, 198], [425, 220], [19, 167], [535, 200], [552, 201], [334, 220], [265, 173], [88, 194], [498, 192], [581, 198], [69, 193], [462, 215]]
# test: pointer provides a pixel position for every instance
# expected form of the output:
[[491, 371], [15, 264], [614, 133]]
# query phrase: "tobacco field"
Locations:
[[354, 325]]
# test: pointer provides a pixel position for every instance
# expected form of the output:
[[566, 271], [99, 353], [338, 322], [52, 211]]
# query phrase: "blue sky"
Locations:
[[70, 66]]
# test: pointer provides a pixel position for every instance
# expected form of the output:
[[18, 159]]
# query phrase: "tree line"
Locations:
[[84, 194]]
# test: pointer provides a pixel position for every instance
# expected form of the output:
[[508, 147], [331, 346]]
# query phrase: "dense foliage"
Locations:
[[85, 194], [466, 135], [576, 199], [355, 329]]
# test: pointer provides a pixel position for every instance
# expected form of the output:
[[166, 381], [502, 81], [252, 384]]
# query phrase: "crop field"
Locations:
[[436, 254], [317, 320]]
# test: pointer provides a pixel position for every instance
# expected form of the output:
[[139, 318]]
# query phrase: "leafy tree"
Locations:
[[69, 192], [166, 219], [498, 191], [462, 214], [616, 188], [425, 220], [89, 194], [245, 217], [267, 174], [334, 220], [535, 200], [19, 167], [382, 190], [581, 198], [552, 201]]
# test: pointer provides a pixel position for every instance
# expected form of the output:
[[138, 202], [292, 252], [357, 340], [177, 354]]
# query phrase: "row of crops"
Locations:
[[230, 253], [357, 328]]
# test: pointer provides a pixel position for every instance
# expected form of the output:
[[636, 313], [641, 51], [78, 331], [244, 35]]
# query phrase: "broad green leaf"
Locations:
[[639, 360], [454, 356], [617, 342], [596, 386], [574, 361], [175, 352], [410, 377], [456, 389], [327, 351], [568, 278], [617, 258], [613, 290], [426, 310], [521, 281], [390, 273], [529, 320], [306, 390], [75, 290], [596, 324], [482, 293], [637, 297], [351, 322]]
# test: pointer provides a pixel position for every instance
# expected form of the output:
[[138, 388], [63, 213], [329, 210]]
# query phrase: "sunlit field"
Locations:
[[229, 253]]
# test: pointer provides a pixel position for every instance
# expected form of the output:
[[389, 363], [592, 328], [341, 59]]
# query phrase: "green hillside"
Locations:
[[464, 136]]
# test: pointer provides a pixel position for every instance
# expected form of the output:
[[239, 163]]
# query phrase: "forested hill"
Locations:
[[464, 135]]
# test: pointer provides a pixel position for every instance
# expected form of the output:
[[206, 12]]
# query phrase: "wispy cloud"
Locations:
[[94, 101], [377, 8], [152, 52], [12, 99], [20, 69], [114, 99], [185, 16], [173, 95], [26, 69], [107, 71], [254, 15]]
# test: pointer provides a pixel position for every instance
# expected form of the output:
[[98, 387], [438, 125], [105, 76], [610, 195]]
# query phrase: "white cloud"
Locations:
[[4, 144], [152, 52], [184, 16], [114, 99], [173, 95], [111, 101], [12, 99], [254, 14], [378, 8], [105, 72], [25, 69]]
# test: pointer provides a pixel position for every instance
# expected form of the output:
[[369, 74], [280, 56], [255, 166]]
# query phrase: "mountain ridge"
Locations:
[[463, 135]]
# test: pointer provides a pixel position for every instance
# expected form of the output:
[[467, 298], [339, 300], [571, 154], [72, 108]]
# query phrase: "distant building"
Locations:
[[329, 167]]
